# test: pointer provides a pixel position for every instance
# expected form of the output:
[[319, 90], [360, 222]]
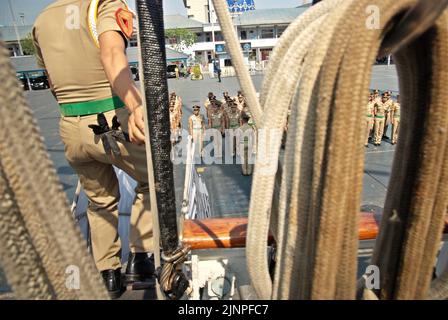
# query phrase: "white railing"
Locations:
[[196, 201]]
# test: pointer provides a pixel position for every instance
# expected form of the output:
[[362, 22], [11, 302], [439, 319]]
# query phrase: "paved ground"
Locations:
[[229, 190]]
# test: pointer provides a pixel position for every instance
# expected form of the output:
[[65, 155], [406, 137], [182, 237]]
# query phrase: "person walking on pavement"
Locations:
[[218, 70], [89, 76]]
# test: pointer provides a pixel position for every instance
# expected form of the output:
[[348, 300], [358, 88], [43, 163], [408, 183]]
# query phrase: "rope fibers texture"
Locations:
[[328, 53]]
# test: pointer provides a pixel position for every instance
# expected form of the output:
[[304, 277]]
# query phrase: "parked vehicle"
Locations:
[[171, 71], [23, 81], [135, 73], [39, 83]]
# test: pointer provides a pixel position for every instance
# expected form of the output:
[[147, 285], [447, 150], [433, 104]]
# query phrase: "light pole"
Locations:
[[15, 27]]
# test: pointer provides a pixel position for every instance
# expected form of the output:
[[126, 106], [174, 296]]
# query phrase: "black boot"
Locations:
[[140, 267], [112, 280]]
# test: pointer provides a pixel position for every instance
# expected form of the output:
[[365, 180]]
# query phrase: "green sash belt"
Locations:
[[380, 117], [369, 116], [90, 107]]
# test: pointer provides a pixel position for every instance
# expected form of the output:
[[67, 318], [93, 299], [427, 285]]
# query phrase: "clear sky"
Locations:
[[31, 8]]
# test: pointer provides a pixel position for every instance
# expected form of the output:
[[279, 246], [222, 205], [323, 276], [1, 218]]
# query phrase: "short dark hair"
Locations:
[[245, 117]]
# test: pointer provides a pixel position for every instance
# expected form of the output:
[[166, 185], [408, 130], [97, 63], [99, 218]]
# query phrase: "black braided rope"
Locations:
[[152, 48]]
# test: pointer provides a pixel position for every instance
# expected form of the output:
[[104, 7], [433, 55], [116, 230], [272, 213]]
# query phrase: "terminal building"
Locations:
[[258, 31]]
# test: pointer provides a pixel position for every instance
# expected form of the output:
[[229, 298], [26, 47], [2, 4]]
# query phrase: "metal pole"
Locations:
[[14, 23]]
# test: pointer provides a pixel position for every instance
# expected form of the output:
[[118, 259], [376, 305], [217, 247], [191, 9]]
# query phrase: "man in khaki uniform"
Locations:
[[370, 113], [233, 122], [208, 102], [196, 127], [380, 114], [240, 102], [90, 75], [395, 116], [247, 143], [387, 119], [217, 120], [376, 95], [174, 123]]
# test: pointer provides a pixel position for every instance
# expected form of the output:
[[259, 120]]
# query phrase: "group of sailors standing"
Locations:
[[226, 115], [380, 113]]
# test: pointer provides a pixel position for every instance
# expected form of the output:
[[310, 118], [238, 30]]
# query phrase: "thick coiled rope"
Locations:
[[325, 86], [42, 250]]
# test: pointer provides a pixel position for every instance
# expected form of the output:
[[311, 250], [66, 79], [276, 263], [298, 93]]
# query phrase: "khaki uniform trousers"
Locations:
[[217, 143], [387, 121], [379, 130], [247, 167], [85, 153], [395, 129], [198, 142], [369, 127]]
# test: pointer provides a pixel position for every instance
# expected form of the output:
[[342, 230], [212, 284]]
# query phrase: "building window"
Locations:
[[280, 31], [244, 35], [267, 33], [252, 35], [209, 57], [218, 36], [265, 53], [227, 62]]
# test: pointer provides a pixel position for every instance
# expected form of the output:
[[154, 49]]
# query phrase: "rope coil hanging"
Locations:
[[329, 51], [40, 240]]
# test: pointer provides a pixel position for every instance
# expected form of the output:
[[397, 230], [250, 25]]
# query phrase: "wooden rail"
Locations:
[[231, 232]]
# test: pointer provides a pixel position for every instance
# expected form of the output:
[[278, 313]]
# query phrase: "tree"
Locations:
[[180, 39], [28, 46]]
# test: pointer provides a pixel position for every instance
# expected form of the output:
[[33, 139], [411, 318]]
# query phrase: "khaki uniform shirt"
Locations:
[[396, 108], [216, 120], [197, 122], [234, 119], [207, 104], [380, 109], [370, 110], [68, 52], [388, 104]]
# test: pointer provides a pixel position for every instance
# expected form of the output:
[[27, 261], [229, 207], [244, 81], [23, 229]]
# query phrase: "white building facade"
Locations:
[[257, 30]]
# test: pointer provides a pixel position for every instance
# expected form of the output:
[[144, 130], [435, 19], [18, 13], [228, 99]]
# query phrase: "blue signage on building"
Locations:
[[246, 46], [220, 48], [241, 5]]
